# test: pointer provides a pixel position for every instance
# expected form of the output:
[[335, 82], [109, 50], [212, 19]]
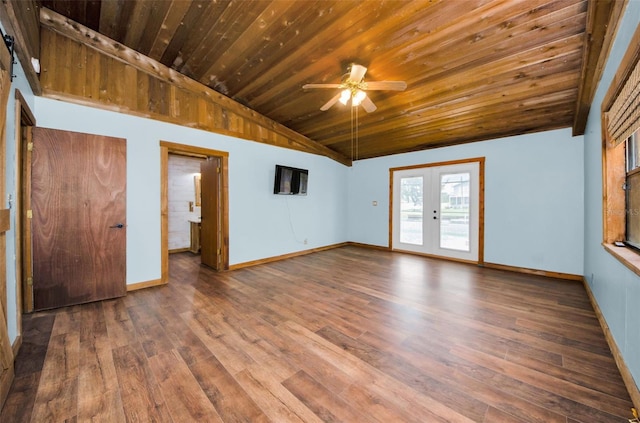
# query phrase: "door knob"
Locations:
[[117, 226]]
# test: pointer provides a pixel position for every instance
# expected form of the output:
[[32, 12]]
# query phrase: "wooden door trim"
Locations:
[[25, 120], [166, 148], [481, 163]]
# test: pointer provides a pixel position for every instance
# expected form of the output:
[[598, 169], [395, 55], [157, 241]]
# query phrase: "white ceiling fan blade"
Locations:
[[368, 105], [330, 103], [308, 86], [357, 72], [387, 85]]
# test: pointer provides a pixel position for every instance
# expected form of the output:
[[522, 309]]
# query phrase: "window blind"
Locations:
[[624, 115]]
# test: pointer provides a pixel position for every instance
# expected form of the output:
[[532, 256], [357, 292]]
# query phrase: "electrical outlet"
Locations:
[[305, 241]]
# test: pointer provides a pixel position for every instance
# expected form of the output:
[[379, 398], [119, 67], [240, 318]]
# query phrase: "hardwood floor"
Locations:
[[350, 335]]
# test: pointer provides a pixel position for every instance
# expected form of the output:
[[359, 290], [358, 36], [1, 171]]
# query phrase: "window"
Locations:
[[621, 159], [632, 191]]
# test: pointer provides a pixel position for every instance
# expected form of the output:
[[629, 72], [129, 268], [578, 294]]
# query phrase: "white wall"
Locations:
[[182, 190], [533, 198], [261, 224], [616, 288]]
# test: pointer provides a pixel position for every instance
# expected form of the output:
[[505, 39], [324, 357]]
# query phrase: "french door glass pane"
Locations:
[[454, 211], [411, 210]]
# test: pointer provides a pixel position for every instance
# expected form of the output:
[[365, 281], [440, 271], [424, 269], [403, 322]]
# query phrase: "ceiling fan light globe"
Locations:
[[345, 96], [358, 97]]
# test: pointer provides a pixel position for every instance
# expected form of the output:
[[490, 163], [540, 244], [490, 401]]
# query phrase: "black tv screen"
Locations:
[[290, 181]]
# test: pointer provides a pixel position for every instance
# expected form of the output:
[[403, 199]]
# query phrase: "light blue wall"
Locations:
[[19, 83], [533, 198], [261, 224], [616, 289]]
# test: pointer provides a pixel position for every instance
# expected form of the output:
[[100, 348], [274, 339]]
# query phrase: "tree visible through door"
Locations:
[[78, 199]]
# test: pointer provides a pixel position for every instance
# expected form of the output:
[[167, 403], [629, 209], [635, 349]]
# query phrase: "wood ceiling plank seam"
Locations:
[[218, 43], [437, 139], [109, 11], [507, 49], [92, 14], [332, 39], [181, 36], [445, 38], [342, 49], [257, 105], [214, 60], [204, 36], [157, 15], [452, 141], [517, 24], [501, 15], [329, 27], [286, 42], [536, 79], [490, 116], [444, 120], [170, 24], [20, 24], [557, 58], [26, 12], [504, 82], [138, 21]]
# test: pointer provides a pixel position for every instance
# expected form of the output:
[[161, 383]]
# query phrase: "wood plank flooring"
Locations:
[[345, 335]]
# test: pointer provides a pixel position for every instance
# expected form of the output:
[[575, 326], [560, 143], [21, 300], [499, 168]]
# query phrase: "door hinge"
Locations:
[[29, 281], [219, 251], [29, 214], [218, 169], [30, 146]]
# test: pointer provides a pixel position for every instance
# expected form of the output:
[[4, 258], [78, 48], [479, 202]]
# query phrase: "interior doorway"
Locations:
[[437, 210], [184, 203], [214, 208]]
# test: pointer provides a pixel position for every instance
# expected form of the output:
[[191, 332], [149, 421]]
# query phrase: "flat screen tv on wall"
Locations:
[[290, 181]]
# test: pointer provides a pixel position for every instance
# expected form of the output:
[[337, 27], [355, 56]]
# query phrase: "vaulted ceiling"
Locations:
[[475, 69]]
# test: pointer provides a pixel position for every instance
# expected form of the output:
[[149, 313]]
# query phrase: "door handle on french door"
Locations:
[[117, 226]]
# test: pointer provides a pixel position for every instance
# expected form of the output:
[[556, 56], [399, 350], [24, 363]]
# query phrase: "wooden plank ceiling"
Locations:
[[475, 69]]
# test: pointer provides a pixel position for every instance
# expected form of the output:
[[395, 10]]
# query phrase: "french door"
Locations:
[[436, 210]]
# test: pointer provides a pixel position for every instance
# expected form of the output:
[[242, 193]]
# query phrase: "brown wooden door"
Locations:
[[6, 352], [79, 217], [210, 226]]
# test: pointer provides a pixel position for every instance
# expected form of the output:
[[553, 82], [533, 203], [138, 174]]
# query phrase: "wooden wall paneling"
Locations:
[[77, 69], [160, 78], [92, 75], [130, 87], [142, 91]]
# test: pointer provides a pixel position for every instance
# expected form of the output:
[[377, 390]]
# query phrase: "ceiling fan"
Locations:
[[353, 88]]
